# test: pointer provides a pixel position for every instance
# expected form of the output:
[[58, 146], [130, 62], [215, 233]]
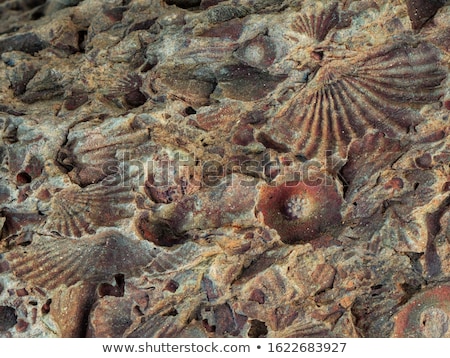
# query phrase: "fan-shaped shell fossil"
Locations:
[[299, 212], [130, 88], [348, 97], [92, 149], [316, 22], [79, 211], [50, 262]]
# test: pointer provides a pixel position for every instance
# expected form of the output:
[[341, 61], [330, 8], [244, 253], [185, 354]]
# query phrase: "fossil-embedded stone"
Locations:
[[70, 308], [346, 98], [427, 315], [420, 11], [224, 168], [110, 317], [299, 211]]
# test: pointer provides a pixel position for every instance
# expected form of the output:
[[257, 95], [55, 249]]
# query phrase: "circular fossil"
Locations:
[[427, 315], [300, 212], [296, 207]]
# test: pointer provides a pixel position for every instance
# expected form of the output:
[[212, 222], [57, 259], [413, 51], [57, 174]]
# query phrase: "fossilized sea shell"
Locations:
[[398, 192], [91, 152], [130, 88], [70, 307], [78, 211], [50, 262], [347, 98], [258, 52], [110, 317], [317, 20], [426, 315]]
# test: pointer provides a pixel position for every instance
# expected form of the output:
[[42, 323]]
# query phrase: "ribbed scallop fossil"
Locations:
[[130, 88], [50, 262], [94, 148], [348, 97], [79, 211], [316, 23]]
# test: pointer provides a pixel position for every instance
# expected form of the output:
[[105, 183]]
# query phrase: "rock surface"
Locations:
[[201, 168]]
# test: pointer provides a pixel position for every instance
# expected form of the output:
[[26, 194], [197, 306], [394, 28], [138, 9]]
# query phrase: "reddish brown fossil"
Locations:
[[300, 212], [372, 90], [426, 315]]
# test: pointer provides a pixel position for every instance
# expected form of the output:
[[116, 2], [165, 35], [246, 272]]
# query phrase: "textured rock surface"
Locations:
[[254, 168]]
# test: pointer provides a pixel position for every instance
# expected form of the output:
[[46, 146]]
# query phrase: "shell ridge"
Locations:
[[338, 121], [327, 128], [311, 122], [372, 113], [399, 118]]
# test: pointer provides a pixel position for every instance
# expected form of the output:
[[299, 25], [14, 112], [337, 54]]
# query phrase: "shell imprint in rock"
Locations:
[[94, 148], [79, 211], [50, 262], [300, 212], [348, 97], [427, 315], [316, 24]]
